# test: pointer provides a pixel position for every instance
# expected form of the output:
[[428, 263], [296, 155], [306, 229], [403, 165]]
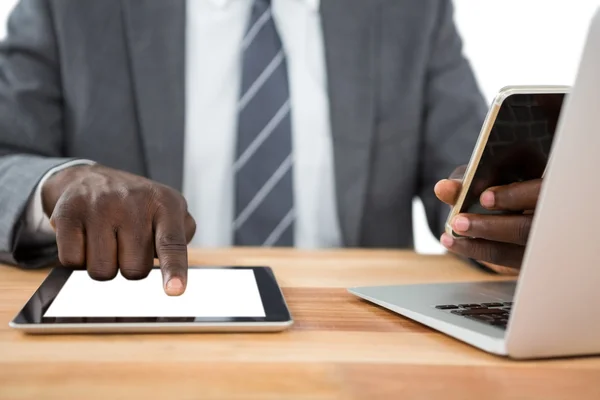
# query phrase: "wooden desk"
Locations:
[[339, 348]]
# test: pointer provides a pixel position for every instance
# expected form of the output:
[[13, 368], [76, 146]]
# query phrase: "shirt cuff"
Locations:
[[36, 221]]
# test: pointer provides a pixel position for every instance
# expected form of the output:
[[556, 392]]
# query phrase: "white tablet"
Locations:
[[216, 299]]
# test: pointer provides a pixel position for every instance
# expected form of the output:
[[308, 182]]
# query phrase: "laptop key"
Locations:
[[492, 304], [446, 307], [478, 311], [470, 305]]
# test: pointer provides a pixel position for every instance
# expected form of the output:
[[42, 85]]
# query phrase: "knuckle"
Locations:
[[160, 193], [127, 194], [523, 228], [494, 254], [504, 257], [137, 193], [71, 258], [101, 198], [172, 267], [102, 270], [70, 244], [68, 210], [102, 207], [190, 228], [117, 206], [483, 250], [508, 193], [505, 196], [171, 242], [168, 198], [134, 270], [65, 221], [481, 228], [518, 195], [180, 203]]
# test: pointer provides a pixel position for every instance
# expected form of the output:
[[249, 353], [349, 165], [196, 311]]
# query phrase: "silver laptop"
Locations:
[[553, 309]]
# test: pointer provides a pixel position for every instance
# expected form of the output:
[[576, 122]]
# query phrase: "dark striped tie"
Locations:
[[264, 203]]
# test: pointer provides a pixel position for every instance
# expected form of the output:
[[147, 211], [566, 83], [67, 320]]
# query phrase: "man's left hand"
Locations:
[[496, 240]]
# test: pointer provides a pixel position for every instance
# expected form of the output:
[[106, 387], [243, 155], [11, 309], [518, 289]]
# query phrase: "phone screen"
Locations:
[[518, 146]]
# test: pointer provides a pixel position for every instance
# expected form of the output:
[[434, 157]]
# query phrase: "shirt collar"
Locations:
[[313, 5]]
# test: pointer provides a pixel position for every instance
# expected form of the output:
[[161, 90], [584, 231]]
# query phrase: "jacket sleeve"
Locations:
[[31, 126], [454, 112]]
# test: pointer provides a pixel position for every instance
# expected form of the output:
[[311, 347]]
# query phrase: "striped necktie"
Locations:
[[264, 201]]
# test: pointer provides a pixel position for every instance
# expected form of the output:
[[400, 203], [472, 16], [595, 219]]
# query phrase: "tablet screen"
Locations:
[[210, 293]]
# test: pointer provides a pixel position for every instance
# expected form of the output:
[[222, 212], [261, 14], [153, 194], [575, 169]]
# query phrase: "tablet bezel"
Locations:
[[32, 313]]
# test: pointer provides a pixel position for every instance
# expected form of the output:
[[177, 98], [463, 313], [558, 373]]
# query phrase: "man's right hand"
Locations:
[[108, 220]]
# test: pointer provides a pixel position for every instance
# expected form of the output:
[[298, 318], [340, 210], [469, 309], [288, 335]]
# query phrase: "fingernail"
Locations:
[[174, 287], [487, 199], [461, 224], [447, 240]]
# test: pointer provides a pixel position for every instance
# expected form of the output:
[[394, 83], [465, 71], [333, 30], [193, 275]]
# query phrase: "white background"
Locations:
[[509, 42]]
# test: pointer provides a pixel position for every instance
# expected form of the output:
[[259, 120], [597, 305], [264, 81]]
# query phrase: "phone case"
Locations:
[[482, 140]]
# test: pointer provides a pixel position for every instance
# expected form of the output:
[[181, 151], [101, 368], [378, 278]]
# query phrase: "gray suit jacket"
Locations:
[[104, 80]]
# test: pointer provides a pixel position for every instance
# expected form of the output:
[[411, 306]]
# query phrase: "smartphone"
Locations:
[[513, 145]]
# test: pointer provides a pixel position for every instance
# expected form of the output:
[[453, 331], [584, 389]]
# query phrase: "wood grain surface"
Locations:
[[339, 347]]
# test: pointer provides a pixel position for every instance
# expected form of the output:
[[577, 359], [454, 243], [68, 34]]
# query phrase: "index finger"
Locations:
[[519, 196], [171, 249]]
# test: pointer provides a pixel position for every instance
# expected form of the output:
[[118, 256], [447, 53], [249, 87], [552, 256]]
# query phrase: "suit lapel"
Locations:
[[156, 36], [349, 36]]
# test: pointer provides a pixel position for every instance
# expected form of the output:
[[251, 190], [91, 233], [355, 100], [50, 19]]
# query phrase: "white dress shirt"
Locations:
[[214, 32]]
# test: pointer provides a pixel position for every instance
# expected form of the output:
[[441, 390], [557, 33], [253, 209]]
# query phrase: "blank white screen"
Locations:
[[211, 292]]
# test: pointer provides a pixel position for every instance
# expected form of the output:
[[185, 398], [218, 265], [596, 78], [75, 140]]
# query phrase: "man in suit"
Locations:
[[127, 128]]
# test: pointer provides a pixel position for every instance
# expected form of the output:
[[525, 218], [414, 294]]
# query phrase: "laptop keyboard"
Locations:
[[495, 314]]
